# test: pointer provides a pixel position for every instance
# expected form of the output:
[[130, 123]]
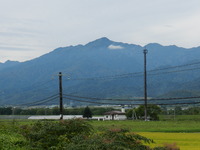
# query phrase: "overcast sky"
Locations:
[[30, 28]]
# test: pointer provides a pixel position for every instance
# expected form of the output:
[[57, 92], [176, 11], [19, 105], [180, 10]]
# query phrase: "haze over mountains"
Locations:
[[102, 68]]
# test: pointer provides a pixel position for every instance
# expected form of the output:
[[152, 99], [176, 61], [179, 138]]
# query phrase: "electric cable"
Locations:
[[180, 103], [174, 71], [74, 99], [176, 98], [95, 98], [172, 67], [138, 74], [39, 101], [132, 100], [52, 99]]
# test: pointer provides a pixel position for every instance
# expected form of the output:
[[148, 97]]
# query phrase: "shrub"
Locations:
[[77, 134], [10, 139], [113, 139], [45, 134]]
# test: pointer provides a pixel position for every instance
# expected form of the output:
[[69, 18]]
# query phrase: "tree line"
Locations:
[[52, 111], [153, 110]]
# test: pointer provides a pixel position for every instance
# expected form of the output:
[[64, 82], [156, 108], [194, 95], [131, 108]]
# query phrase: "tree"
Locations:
[[77, 134], [6, 111], [152, 111], [56, 111], [178, 110], [48, 134], [130, 114], [87, 113]]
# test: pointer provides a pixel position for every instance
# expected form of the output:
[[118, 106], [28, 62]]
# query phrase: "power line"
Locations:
[[138, 74], [33, 88], [176, 98], [74, 99], [131, 100], [180, 103], [107, 77], [39, 84], [174, 71], [172, 67], [41, 101], [52, 99], [123, 76], [108, 99]]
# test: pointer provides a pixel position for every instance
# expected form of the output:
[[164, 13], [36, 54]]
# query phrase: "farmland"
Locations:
[[184, 131], [186, 134], [151, 126], [186, 141]]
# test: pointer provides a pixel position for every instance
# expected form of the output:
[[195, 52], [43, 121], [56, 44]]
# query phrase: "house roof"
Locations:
[[114, 113]]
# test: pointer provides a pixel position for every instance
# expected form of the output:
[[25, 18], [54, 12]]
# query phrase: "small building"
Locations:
[[114, 115]]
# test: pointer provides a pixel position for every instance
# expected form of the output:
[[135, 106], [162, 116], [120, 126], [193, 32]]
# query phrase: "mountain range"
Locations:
[[105, 69]]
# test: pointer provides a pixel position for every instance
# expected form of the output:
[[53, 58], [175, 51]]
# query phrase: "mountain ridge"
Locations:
[[22, 82]]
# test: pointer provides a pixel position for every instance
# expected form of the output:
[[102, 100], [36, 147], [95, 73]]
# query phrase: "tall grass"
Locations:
[[10, 139]]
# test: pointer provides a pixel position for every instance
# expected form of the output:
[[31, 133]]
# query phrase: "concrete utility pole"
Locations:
[[145, 84], [61, 95]]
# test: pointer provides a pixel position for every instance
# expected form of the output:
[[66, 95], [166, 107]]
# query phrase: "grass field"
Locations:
[[186, 134], [179, 117], [150, 126]]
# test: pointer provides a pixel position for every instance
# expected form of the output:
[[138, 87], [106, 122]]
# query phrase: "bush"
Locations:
[[45, 134], [113, 139], [10, 139], [77, 134]]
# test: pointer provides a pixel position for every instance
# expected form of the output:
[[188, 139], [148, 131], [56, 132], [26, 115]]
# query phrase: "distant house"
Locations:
[[114, 115]]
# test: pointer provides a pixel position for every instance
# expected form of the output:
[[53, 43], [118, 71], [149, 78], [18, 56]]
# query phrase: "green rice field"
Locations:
[[151, 126], [184, 134], [185, 141]]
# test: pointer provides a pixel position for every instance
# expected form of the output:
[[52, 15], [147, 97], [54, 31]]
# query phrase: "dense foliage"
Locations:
[[46, 134], [77, 134], [152, 111], [10, 139]]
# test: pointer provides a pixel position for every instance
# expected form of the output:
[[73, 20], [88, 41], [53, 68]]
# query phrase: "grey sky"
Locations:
[[30, 28]]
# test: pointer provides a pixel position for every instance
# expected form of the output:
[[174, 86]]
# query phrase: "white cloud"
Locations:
[[115, 47]]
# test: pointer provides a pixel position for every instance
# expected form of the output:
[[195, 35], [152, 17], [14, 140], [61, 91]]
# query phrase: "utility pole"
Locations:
[[61, 95], [145, 84]]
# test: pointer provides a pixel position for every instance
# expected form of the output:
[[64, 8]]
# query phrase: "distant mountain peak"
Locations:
[[153, 44], [101, 42], [103, 39], [11, 62]]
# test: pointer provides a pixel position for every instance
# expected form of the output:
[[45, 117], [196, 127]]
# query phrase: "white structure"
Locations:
[[65, 117], [55, 117], [115, 115]]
